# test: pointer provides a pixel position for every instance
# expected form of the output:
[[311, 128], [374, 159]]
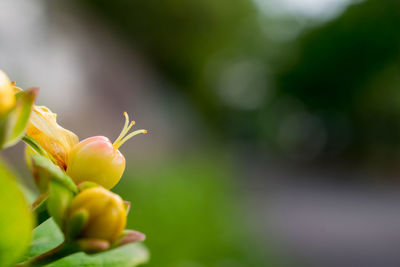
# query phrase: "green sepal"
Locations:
[[59, 199], [36, 147], [127, 205], [129, 236], [29, 151], [75, 223], [93, 245], [14, 122], [44, 170]]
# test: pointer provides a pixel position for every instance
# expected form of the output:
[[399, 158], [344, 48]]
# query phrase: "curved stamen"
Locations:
[[123, 137], [125, 129], [125, 126], [129, 136]]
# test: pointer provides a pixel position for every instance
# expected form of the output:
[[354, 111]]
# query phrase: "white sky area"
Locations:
[[320, 9]]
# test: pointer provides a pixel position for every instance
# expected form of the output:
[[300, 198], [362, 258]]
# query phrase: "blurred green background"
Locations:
[[191, 214], [273, 124]]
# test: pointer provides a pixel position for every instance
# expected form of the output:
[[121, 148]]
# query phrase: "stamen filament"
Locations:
[[125, 129], [129, 136], [123, 137]]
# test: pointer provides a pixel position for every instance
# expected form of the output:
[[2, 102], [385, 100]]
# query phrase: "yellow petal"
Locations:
[[7, 95], [56, 140]]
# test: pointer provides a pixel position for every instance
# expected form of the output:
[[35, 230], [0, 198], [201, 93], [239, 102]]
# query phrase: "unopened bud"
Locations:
[[104, 211]]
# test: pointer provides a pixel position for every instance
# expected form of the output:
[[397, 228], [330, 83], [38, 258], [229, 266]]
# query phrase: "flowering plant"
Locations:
[[75, 211]]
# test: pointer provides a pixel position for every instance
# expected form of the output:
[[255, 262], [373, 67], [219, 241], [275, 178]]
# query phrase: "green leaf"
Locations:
[[45, 237], [16, 221], [13, 124], [48, 236], [44, 170], [126, 256]]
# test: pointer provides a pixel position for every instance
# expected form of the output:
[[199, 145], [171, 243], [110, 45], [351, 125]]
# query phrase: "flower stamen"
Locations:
[[125, 129], [123, 137]]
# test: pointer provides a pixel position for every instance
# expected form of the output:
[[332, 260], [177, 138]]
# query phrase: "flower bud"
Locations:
[[96, 159], [106, 214], [7, 93]]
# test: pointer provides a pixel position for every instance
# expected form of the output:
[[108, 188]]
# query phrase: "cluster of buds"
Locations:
[[94, 159], [74, 177]]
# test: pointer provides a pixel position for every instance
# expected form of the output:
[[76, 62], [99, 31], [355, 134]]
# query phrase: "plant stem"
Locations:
[[59, 252]]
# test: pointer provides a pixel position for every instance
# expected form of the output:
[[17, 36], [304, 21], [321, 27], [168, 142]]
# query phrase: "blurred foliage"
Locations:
[[191, 214], [16, 222], [331, 91], [346, 74], [192, 42]]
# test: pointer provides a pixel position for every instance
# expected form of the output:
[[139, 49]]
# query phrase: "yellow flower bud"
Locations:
[[56, 140], [106, 213], [95, 159], [98, 160], [7, 93]]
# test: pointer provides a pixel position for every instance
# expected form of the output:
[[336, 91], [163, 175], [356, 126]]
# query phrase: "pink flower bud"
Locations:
[[98, 160]]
